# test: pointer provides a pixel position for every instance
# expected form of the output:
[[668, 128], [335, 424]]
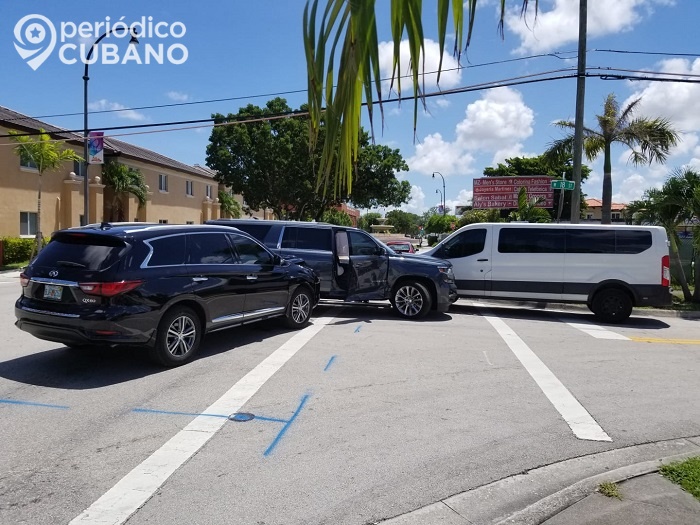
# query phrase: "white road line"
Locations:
[[139, 485], [597, 331], [580, 421], [487, 358]]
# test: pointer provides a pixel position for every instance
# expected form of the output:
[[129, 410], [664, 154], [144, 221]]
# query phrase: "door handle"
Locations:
[[482, 260], [251, 277], [200, 279]]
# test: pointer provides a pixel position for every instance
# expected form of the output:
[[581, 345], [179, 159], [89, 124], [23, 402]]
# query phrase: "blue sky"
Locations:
[[250, 52]]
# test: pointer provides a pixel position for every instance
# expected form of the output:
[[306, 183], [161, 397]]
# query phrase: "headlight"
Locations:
[[448, 272]]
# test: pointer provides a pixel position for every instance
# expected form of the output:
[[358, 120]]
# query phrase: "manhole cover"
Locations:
[[241, 416]]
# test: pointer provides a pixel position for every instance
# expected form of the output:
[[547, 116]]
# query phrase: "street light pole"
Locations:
[[442, 200], [443, 190], [86, 163]]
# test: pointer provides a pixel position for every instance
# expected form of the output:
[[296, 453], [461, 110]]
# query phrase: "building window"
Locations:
[[189, 188], [208, 191], [162, 221], [26, 162], [27, 223], [189, 222], [78, 168], [615, 216], [162, 182]]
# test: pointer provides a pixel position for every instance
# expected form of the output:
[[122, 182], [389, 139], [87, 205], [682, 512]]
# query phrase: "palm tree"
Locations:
[[229, 206], [123, 181], [346, 38], [46, 155], [652, 138], [528, 210], [666, 207]]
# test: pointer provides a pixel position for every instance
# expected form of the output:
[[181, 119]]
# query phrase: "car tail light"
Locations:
[[665, 271], [108, 289], [23, 280]]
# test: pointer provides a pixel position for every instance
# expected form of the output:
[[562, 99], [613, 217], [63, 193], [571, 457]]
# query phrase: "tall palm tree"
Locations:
[[123, 181], [649, 139], [342, 57], [46, 155]]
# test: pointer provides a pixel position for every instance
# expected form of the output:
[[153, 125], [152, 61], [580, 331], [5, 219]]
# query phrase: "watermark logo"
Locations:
[[36, 37]]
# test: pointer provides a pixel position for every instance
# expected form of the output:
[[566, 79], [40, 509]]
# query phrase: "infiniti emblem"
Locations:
[[53, 273]]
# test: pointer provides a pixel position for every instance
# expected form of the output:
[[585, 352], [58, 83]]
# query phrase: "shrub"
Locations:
[[16, 250]]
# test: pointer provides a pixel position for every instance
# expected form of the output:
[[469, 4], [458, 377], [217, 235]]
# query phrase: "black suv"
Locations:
[[355, 266], [158, 285]]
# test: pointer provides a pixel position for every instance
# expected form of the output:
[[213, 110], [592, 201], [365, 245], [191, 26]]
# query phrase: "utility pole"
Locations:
[[578, 124]]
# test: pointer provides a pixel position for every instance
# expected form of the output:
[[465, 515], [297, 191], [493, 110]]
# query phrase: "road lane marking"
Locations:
[[120, 502], [487, 358], [581, 422], [32, 404], [598, 331], [667, 341]]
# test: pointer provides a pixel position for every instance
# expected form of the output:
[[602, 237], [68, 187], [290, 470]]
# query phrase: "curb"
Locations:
[[558, 502]]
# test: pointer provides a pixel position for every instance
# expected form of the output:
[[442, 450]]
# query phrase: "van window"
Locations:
[[590, 241], [307, 238], [469, 242], [259, 231], [531, 240], [632, 241]]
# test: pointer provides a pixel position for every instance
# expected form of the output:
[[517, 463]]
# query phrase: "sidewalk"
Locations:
[[565, 493]]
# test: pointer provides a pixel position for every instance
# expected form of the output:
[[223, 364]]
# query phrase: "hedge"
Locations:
[[16, 250]]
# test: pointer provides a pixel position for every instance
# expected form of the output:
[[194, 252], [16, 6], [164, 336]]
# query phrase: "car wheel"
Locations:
[[612, 305], [299, 309], [178, 337], [411, 300]]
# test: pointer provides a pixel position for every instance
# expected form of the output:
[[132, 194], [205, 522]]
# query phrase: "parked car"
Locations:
[[160, 286], [610, 268], [355, 266], [401, 246]]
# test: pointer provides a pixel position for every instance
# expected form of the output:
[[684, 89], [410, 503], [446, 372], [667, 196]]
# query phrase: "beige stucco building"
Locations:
[[178, 193]]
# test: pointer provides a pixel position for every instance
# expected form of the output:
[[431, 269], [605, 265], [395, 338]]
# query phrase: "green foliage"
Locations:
[[685, 473], [335, 216], [367, 220], [123, 181], [528, 210], [474, 216], [403, 222], [609, 489], [440, 223], [375, 181], [16, 250], [230, 208]]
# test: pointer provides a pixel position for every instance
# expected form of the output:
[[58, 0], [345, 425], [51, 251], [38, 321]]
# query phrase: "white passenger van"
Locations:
[[610, 268]]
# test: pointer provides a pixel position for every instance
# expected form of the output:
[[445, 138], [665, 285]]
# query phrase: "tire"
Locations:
[[612, 305], [299, 309], [411, 300], [178, 337]]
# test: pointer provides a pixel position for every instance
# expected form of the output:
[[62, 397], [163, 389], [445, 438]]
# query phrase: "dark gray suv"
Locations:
[[355, 266]]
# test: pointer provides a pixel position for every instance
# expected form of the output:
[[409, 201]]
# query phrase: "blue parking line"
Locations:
[[195, 414], [358, 328], [330, 362], [286, 426], [29, 403]]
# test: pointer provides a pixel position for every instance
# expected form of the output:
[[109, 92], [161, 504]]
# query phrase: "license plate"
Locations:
[[53, 292]]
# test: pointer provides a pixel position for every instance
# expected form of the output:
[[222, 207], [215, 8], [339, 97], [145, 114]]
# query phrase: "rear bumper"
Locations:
[[77, 331], [653, 296]]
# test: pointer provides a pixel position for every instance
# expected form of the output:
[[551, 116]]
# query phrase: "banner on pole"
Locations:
[[96, 151]]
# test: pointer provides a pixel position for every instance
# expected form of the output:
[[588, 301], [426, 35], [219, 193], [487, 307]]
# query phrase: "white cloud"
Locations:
[[548, 30], [449, 78], [177, 96], [416, 202], [435, 154], [120, 110]]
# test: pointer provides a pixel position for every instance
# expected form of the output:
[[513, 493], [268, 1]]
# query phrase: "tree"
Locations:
[[345, 37], [440, 223], [665, 207], [230, 208], [404, 222], [528, 210], [123, 181], [267, 160], [649, 139], [335, 216], [474, 216], [46, 155]]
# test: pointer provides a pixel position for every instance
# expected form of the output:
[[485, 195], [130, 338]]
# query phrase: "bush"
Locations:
[[16, 250]]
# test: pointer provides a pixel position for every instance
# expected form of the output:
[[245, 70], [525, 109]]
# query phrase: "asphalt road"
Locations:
[[358, 418]]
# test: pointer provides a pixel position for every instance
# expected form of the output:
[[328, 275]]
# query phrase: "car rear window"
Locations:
[[82, 250]]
